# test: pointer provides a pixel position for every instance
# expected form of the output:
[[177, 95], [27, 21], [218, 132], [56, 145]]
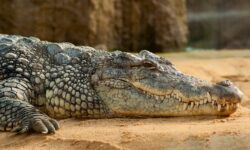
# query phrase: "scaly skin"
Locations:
[[39, 78]]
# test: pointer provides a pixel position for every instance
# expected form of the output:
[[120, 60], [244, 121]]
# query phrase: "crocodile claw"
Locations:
[[40, 124]]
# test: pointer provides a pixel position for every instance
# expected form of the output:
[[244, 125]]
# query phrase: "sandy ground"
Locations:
[[182, 133]]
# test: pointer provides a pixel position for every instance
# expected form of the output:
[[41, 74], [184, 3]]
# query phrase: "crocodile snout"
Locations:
[[227, 92]]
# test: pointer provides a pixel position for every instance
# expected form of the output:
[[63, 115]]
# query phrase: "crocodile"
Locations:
[[41, 81]]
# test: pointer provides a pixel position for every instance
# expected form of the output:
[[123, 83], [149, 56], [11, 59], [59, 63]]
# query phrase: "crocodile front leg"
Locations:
[[17, 114]]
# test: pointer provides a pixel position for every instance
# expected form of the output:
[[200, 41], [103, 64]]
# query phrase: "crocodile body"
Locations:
[[40, 80]]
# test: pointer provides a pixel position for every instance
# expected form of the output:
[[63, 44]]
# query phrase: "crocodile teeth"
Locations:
[[209, 97], [172, 94], [219, 107], [227, 106], [157, 97], [192, 105], [185, 105], [237, 105], [201, 102]]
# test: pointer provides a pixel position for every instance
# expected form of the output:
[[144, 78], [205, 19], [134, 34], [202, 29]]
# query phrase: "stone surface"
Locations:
[[132, 25]]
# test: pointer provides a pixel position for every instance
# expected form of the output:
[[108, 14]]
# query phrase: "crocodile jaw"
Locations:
[[136, 99]]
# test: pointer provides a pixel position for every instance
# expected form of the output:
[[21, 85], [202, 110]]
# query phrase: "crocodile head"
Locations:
[[147, 85]]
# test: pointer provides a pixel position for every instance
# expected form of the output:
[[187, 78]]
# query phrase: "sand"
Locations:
[[229, 133]]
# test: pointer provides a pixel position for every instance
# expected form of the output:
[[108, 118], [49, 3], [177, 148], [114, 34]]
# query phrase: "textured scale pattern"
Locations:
[[40, 80], [55, 78]]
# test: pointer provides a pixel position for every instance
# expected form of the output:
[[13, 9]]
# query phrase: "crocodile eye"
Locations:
[[127, 60], [149, 64]]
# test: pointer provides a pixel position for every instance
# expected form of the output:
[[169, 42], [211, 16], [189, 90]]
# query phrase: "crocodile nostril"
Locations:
[[226, 83]]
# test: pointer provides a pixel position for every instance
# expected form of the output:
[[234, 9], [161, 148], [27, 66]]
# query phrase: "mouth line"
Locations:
[[191, 103], [177, 96], [150, 92]]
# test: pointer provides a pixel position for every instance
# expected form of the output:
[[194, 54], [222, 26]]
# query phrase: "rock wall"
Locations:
[[157, 25]]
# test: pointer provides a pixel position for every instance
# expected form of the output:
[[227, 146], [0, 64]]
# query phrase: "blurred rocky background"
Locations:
[[219, 24], [129, 25], [132, 25]]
